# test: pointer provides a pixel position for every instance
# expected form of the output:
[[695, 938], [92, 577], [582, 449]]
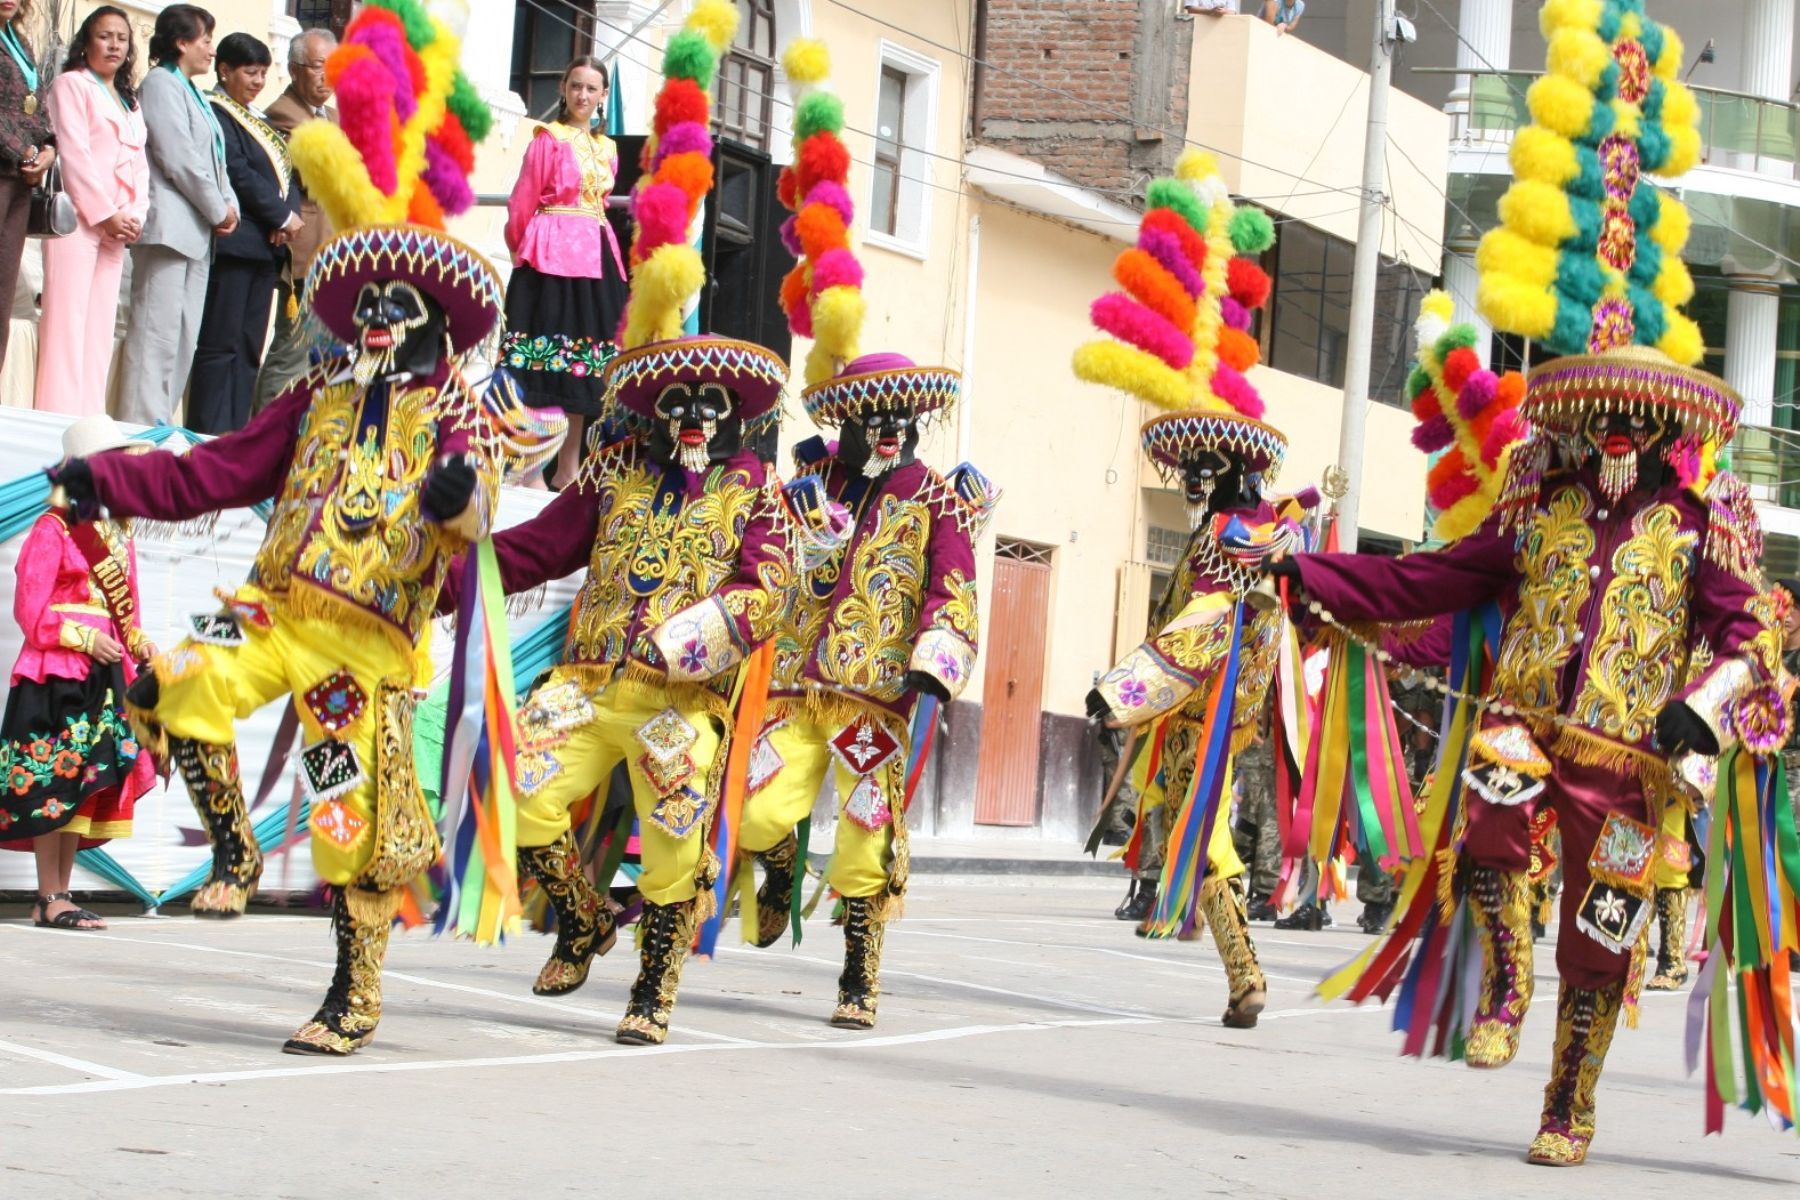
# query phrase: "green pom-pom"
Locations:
[[687, 56], [1174, 194], [1251, 231], [819, 112], [412, 14], [476, 117], [1418, 381], [1458, 337]]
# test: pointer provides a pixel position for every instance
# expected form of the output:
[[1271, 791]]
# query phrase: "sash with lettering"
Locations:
[[111, 575]]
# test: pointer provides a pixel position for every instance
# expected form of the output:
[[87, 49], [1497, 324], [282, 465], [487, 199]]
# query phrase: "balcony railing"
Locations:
[[1737, 130], [1768, 457]]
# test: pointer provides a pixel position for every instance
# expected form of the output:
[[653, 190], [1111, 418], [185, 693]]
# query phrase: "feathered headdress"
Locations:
[[1587, 258], [822, 295], [666, 269], [397, 164], [1179, 331], [1465, 410]]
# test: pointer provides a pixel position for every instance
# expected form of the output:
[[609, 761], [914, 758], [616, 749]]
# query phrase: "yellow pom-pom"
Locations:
[[1149, 378], [1438, 304], [1679, 106], [837, 315], [661, 286], [806, 61], [1538, 211], [1682, 341], [1684, 151], [820, 365], [1627, 119], [1503, 252], [1461, 518], [1673, 285], [1195, 165], [1542, 155], [1578, 54], [1568, 14], [1670, 231], [1668, 64], [334, 174], [1561, 105], [716, 21], [1631, 28], [1517, 307]]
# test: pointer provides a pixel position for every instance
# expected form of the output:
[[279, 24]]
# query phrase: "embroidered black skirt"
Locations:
[[559, 337], [66, 759]]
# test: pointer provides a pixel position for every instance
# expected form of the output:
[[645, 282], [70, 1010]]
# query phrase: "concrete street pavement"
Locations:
[[1029, 1046]]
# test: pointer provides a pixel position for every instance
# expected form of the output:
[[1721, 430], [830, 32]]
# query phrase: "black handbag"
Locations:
[[52, 211]]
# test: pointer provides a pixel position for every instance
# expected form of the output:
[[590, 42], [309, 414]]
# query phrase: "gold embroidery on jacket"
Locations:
[[960, 612], [1639, 651], [869, 644], [1555, 585]]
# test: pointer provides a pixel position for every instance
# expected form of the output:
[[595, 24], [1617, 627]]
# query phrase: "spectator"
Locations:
[[307, 98], [1284, 15], [26, 150], [71, 768], [568, 284], [191, 202], [246, 261], [100, 132]]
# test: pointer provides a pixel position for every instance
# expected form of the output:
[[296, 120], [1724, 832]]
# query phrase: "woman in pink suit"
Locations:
[[101, 136]]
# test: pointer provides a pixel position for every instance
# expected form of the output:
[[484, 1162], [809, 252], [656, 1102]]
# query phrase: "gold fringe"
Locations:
[[371, 908], [305, 601], [1592, 749], [1243, 737], [149, 732]]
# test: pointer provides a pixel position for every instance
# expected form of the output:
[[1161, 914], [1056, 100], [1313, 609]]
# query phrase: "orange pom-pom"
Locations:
[[351, 53], [1478, 428], [423, 209], [1238, 349], [680, 100], [794, 286], [1425, 404], [1459, 364], [1510, 391], [820, 227], [822, 156], [692, 173], [784, 188], [1247, 282], [1150, 282], [1446, 468]]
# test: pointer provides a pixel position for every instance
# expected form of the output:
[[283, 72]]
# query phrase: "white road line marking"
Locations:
[[1149, 958], [851, 1042], [73, 1064]]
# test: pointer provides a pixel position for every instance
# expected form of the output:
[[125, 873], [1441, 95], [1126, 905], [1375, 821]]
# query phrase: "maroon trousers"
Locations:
[[1499, 836]]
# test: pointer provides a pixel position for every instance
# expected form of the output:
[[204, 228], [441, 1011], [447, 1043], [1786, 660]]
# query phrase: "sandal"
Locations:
[[72, 919]]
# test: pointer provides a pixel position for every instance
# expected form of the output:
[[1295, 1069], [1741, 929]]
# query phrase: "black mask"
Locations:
[[695, 424], [398, 329], [878, 442], [1627, 444], [1213, 481]]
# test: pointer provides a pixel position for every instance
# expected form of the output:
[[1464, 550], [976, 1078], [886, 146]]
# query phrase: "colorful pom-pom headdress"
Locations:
[[397, 164], [1587, 258], [666, 270], [1180, 330], [822, 295]]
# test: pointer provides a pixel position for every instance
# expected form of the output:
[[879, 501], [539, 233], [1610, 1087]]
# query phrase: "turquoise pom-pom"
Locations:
[[1587, 225], [1588, 179], [1570, 333], [1649, 315], [1578, 276], [1651, 37], [1608, 28]]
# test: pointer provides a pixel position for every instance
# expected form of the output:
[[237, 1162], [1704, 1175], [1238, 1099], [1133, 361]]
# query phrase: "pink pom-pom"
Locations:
[[836, 268], [1449, 491], [1236, 315], [1236, 391], [834, 195], [1165, 247], [387, 41], [1308, 498], [364, 115], [1136, 325], [1508, 427], [1433, 434], [685, 137], [1477, 393], [790, 237], [661, 210], [800, 321]]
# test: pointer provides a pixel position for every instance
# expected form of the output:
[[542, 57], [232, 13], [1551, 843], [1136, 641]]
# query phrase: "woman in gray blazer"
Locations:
[[190, 201]]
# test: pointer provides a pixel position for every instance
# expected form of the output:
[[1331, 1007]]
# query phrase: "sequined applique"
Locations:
[[864, 745], [666, 777], [667, 736], [945, 656], [1612, 916], [553, 710], [329, 769], [1256, 665], [1624, 852], [765, 761], [867, 806], [699, 642], [1147, 684], [868, 641], [1553, 563], [336, 701], [961, 611], [338, 824], [406, 837], [216, 629], [535, 768], [678, 814], [1639, 651]]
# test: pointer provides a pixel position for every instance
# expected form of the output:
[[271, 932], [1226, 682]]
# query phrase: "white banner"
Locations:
[[177, 579]]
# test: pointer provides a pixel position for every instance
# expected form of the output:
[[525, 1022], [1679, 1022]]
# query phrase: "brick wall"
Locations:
[[1096, 52]]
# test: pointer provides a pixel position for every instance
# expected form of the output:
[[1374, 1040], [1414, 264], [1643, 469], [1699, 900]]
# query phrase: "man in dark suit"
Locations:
[[307, 98]]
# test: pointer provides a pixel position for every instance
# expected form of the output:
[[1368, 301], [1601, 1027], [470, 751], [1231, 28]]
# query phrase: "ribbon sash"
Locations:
[[109, 573]]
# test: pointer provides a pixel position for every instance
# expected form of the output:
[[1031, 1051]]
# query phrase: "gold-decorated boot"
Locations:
[[1585, 1022], [1500, 902], [1222, 900], [210, 771], [776, 895], [1671, 954], [346, 1021], [584, 925], [665, 932], [859, 987]]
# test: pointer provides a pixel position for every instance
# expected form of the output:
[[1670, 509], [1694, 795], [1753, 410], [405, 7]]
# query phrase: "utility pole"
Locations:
[[1362, 281]]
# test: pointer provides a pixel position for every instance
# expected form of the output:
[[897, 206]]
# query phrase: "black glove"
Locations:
[[1679, 727], [928, 684], [448, 489], [1286, 568], [1097, 707], [76, 478]]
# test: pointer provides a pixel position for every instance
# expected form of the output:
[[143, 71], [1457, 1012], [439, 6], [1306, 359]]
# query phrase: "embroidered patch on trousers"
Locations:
[[1612, 916], [868, 806], [666, 736], [336, 701], [328, 769], [336, 823], [864, 745], [765, 763], [216, 628], [678, 814], [1623, 853], [666, 777]]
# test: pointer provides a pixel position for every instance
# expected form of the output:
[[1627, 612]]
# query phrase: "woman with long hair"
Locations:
[[26, 147], [100, 134], [191, 202], [568, 284]]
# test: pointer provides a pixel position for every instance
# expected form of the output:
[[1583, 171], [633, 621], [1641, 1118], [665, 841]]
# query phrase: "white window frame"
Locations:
[[912, 215]]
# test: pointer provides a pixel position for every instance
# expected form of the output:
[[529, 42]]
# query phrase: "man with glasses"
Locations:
[[307, 98]]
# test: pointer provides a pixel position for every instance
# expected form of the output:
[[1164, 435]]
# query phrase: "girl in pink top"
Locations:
[[70, 768], [100, 136], [568, 284]]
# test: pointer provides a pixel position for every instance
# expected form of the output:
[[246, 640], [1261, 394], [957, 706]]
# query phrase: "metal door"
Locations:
[[1006, 775]]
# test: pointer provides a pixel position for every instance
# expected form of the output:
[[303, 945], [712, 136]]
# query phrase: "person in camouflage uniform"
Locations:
[[1257, 832]]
